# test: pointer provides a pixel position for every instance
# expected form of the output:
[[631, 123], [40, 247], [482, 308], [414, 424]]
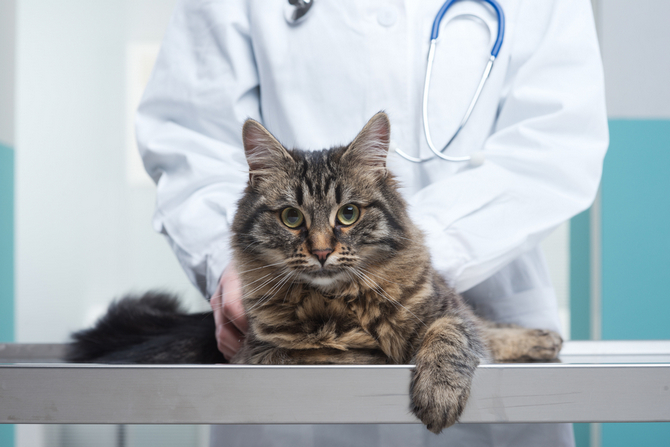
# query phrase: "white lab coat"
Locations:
[[540, 122]]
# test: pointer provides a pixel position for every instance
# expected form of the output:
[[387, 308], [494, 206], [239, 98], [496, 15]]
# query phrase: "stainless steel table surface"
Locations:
[[596, 381]]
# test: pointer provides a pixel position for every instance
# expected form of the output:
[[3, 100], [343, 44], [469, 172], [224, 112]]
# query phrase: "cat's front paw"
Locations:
[[512, 343], [543, 345], [438, 394]]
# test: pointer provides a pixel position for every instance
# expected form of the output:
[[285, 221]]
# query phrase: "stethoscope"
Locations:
[[297, 10]]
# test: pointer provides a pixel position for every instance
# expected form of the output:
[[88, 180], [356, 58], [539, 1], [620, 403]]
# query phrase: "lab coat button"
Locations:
[[387, 16]]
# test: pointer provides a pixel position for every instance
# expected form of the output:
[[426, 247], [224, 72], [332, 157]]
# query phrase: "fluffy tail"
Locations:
[[147, 329]]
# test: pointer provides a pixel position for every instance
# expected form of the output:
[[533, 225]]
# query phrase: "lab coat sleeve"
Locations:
[[543, 159], [203, 86]]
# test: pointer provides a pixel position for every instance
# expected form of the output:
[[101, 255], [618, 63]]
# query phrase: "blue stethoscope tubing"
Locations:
[[475, 159], [501, 23]]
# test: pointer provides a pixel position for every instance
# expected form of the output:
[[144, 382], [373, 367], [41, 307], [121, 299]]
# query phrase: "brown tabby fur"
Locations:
[[376, 298], [326, 292]]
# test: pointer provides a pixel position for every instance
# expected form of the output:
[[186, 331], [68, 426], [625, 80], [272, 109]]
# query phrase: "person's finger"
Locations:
[[233, 311], [232, 301], [216, 303], [229, 340], [223, 338], [229, 316]]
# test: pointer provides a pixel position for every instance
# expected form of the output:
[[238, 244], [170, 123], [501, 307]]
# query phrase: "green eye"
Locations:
[[348, 214], [292, 217]]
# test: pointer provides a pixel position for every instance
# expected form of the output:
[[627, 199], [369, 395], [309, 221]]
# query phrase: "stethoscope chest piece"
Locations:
[[295, 11]]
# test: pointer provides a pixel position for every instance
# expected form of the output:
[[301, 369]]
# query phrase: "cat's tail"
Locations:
[[151, 328]]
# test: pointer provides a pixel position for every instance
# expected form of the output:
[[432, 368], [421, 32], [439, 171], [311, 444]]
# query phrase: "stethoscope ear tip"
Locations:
[[477, 159]]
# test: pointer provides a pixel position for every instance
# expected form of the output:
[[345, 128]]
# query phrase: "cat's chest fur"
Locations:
[[308, 319]]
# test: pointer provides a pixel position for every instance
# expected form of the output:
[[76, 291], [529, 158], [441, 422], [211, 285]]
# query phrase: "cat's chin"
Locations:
[[325, 281]]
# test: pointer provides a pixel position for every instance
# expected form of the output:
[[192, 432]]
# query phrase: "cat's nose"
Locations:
[[322, 254]]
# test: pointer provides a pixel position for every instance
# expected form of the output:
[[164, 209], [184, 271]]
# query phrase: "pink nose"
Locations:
[[322, 254]]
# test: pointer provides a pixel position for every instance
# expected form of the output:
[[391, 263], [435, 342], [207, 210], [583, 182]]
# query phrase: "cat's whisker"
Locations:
[[272, 292], [258, 303], [274, 289], [297, 273], [374, 286], [403, 237], [262, 267], [250, 245], [239, 288], [253, 244], [351, 278], [247, 294], [247, 271], [382, 277], [260, 279], [388, 297], [283, 276]]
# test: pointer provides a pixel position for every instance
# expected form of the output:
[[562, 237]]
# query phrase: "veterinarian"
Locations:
[[538, 134]]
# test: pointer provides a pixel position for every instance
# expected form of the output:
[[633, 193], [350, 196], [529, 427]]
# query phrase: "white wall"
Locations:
[[556, 250], [7, 52], [83, 233], [636, 56]]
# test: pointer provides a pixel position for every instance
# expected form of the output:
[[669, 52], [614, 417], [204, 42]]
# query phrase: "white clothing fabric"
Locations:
[[540, 122], [541, 119]]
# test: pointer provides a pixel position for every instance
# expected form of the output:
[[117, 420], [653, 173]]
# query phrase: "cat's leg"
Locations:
[[512, 343], [445, 364]]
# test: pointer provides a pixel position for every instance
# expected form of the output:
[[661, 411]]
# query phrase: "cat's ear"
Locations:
[[370, 147], [264, 153]]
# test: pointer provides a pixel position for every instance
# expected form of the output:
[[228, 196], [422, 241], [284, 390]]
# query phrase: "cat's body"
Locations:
[[334, 271]]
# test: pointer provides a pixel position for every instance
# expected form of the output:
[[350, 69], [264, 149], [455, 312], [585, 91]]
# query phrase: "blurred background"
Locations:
[[76, 205]]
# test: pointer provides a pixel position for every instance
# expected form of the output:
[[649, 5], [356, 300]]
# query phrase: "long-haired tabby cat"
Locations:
[[333, 271]]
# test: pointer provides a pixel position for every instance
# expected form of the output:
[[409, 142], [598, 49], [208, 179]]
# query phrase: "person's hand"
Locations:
[[229, 316]]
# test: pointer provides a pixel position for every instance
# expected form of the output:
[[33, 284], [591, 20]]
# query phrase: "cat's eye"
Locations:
[[348, 214], [292, 217]]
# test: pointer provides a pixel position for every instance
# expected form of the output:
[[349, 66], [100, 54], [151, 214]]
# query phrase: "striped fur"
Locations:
[[376, 299], [324, 292]]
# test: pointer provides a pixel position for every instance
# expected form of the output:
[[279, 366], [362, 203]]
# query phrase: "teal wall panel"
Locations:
[[654, 434], [6, 263], [6, 435], [636, 250], [6, 243], [580, 277], [636, 231], [580, 296], [582, 435]]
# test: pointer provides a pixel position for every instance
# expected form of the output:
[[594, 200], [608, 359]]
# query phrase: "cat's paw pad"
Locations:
[[437, 405], [544, 345]]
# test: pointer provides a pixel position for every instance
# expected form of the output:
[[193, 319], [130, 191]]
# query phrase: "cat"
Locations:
[[333, 272]]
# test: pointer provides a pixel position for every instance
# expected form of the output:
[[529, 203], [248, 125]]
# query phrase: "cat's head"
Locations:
[[326, 216]]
